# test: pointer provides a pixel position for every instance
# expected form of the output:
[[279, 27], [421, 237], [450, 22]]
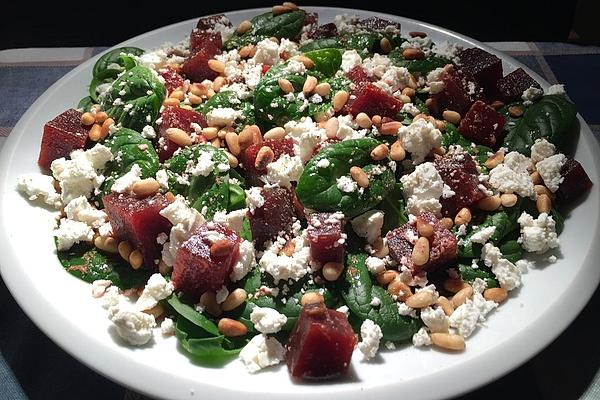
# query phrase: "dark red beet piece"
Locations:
[[320, 345], [62, 135], [176, 117], [484, 67], [442, 244], [208, 23], [460, 91], [326, 237], [248, 157], [482, 125], [172, 79], [358, 75], [196, 66], [459, 172], [512, 86], [275, 217], [139, 222], [324, 31], [197, 269], [373, 101], [576, 181], [209, 42]]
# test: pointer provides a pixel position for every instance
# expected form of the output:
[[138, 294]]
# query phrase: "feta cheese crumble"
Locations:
[[38, 186], [371, 335], [157, 288], [538, 234], [262, 352], [419, 138], [267, 320], [549, 169], [368, 225], [422, 189]]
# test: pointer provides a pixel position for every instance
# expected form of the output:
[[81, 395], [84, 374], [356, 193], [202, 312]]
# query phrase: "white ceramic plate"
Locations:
[[63, 308]]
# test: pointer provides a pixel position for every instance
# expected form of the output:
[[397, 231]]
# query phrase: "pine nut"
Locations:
[[285, 85], [323, 89], [462, 295], [543, 203], [386, 45], [234, 299], [264, 157], [420, 253], [210, 133], [216, 65], [515, 111], [274, 133], [397, 152], [380, 248], [232, 328], [291, 5], [494, 160], [497, 295], [413, 54], [308, 63], [446, 222], [171, 102], [448, 341], [417, 34], [288, 249], [220, 248], [278, 10], [125, 249], [100, 117], [508, 199], [454, 285], [244, 27], [541, 189], [497, 104], [107, 243], [360, 176], [490, 203], [245, 138], [386, 277], [431, 104], [451, 116], [339, 100], [194, 100], [233, 143], [331, 127], [233, 161], [408, 91], [177, 94], [424, 229], [157, 311], [390, 128], [136, 259], [245, 51], [256, 135], [218, 83], [199, 89], [380, 152], [208, 301], [179, 137], [445, 304], [421, 299], [105, 129], [311, 298], [363, 120], [536, 178], [94, 133], [145, 188], [399, 289], [309, 85], [463, 217], [332, 270], [170, 197], [87, 118], [404, 99]]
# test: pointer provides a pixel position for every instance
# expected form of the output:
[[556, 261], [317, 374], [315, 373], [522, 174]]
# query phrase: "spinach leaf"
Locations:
[[205, 349], [189, 313], [85, 104], [551, 118], [317, 187], [511, 250], [423, 66], [88, 263], [327, 61], [322, 43], [359, 294], [287, 25], [237, 197], [469, 274], [110, 65], [228, 99], [135, 98], [393, 206], [451, 136]]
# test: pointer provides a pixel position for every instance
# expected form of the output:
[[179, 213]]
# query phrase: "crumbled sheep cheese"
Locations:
[[549, 169], [397, 78], [40, 186], [162, 178], [99, 287], [435, 319], [465, 318], [133, 326], [323, 163], [245, 262], [505, 180], [70, 232], [111, 297], [405, 310], [261, 352], [222, 116], [167, 327], [481, 236], [288, 46], [343, 309], [185, 221], [531, 94], [411, 109], [157, 288], [368, 225], [350, 59], [376, 66], [419, 138], [483, 306], [346, 184], [556, 89], [267, 320], [306, 134], [284, 171], [284, 267], [507, 273], [294, 67], [203, 166], [422, 189], [254, 198], [538, 235], [518, 162], [541, 150], [81, 210], [421, 338], [148, 132], [371, 335], [267, 52], [375, 265], [478, 285], [447, 50], [125, 183], [234, 220]]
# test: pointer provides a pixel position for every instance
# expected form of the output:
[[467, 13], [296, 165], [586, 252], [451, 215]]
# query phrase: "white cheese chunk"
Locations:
[[157, 288], [38, 186], [422, 189], [262, 352], [419, 138], [284, 171], [133, 326], [70, 232], [508, 274], [368, 225], [421, 338], [371, 335], [549, 169], [541, 150], [538, 234], [267, 320]]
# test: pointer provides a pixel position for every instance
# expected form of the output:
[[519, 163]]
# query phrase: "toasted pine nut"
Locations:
[[413, 54], [497, 295], [210, 133], [339, 100], [424, 229], [490, 203], [462, 295], [417, 34], [94, 133], [451, 116], [216, 142], [536, 178], [216, 65], [309, 85], [360, 176], [208, 301], [408, 91], [494, 160], [233, 143], [380, 152], [323, 89], [157, 311], [199, 89], [431, 104], [363, 120], [136, 259], [420, 253], [541, 189], [107, 243], [386, 277], [256, 135], [308, 63], [220, 248], [245, 137], [170, 197], [446, 222], [445, 304], [194, 100], [497, 104], [543, 203], [332, 270], [244, 27], [145, 188], [233, 161], [285, 85], [171, 102], [125, 249], [515, 111], [448, 341], [390, 128], [218, 83], [331, 127], [100, 117], [222, 133], [421, 299], [177, 94], [275, 133], [463, 217], [232, 328], [179, 137], [87, 118], [291, 5], [311, 298], [399, 289], [397, 152], [454, 285], [278, 10], [380, 248], [386, 45], [264, 157], [234, 299], [288, 249], [105, 129], [508, 199], [247, 51]]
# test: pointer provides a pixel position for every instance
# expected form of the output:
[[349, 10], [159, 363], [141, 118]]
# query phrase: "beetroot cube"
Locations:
[[358, 75], [459, 172], [321, 343], [400, 242], [62, 135], [176, 117], [482, 125], [210, 42], [373, 101], [326, 237], [460, 91], [512, 86], [139, 222], [248, 157], [324, 31], [196, 66], [172, 79], [199, 265], [576, 181], [275, 217], [208, 23], [484, 67]]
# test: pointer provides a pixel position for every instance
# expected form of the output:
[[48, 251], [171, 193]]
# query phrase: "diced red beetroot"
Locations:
[[378, 24], [324, 31], [512, 86], [209, 42], [248, 157], [373, 101], [358, 75], [576, 181], [196, 66], [460, 91], [311, 20], [326, 237], [482, 124], [484, 67], [208, 23], [321, 343], [442, 244], [197, 269], [275, 217], [62, 135], [459, 172], [172, 79], [139, 222], [176, 117]]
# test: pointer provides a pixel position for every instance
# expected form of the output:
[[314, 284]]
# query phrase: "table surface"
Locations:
[[32, 366]]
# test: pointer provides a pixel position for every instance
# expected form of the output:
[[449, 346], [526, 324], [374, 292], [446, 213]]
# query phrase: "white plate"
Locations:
[[63, 308]]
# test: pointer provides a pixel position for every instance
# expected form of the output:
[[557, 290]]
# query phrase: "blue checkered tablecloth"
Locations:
[[33, 367]]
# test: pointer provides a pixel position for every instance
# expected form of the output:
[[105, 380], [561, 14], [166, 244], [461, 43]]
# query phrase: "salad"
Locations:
[[289, 191]]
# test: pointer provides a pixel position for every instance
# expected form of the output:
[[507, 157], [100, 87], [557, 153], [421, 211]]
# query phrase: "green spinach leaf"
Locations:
[[423, 66], [394, 208], [322, 43], [327, 61], [228, 99], [287, 25], [110, 65], [469, 274]]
